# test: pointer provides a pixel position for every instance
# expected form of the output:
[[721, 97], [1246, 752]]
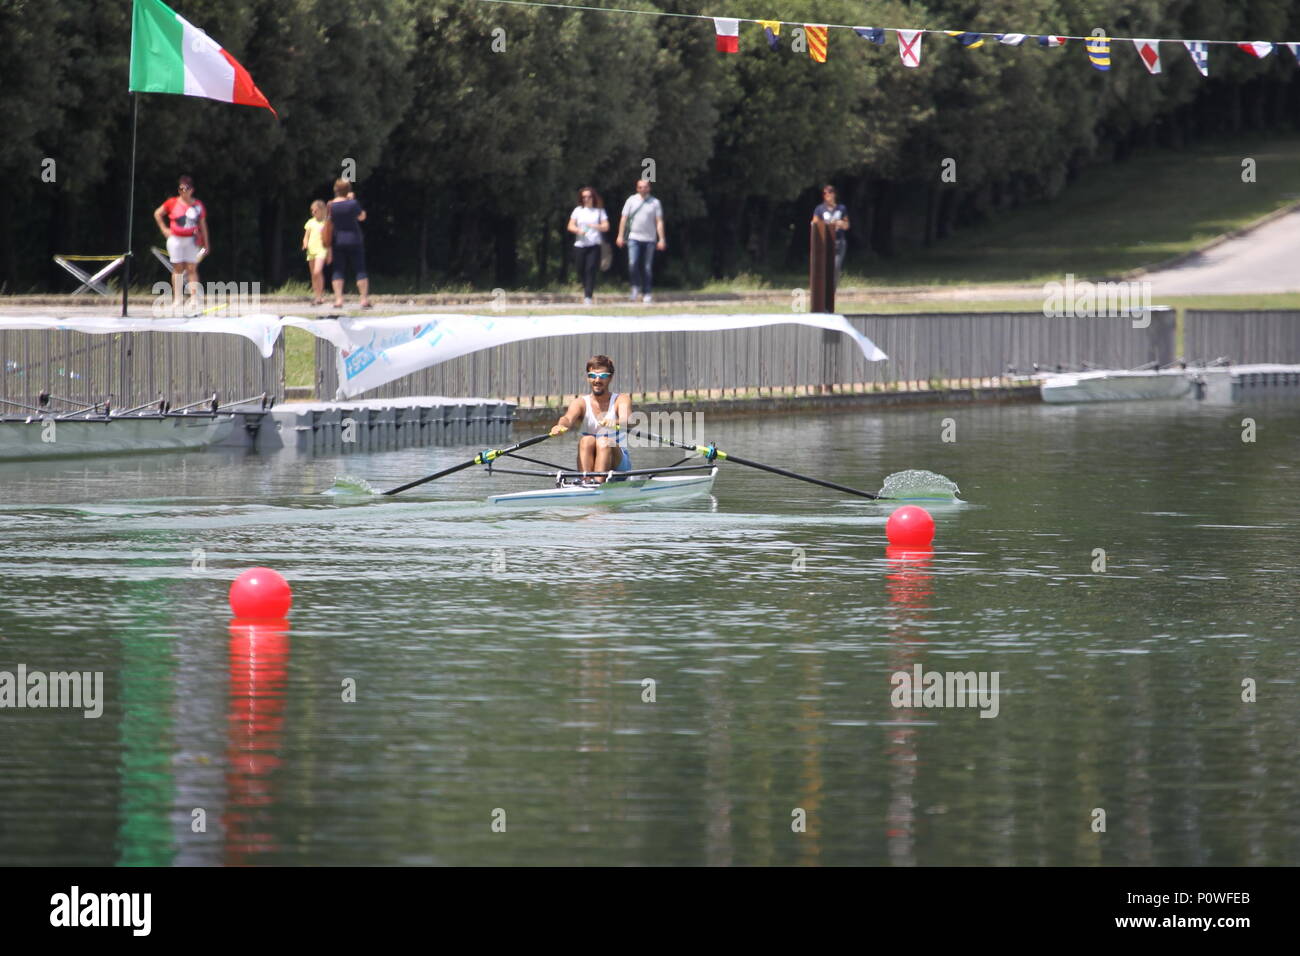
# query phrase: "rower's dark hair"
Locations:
[[601, 361]]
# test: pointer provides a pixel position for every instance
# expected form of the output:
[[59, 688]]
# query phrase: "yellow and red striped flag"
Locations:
[[816, 42]]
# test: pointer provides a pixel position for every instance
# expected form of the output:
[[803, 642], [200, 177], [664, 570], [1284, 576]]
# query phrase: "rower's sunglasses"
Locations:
[[599, 375]]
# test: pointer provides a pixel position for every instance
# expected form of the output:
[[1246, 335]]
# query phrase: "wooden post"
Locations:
[[821, 266]]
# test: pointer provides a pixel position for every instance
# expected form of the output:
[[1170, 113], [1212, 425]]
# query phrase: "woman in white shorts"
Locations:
[[183, 219]]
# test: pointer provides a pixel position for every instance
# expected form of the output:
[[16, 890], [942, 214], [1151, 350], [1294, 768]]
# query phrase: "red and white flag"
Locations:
[[1257, 48], [728, 34], [909, 47], [1149, 51]]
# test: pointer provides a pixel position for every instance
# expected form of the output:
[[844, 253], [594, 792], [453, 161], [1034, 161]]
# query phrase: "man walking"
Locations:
[[642, 231]]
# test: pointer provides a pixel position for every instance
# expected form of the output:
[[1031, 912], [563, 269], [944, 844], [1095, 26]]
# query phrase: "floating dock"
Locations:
[[380, 424], [1236, 383]]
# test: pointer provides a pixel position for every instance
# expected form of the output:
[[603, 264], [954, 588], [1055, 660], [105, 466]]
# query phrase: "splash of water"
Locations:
[[919, 485], [348, 485]]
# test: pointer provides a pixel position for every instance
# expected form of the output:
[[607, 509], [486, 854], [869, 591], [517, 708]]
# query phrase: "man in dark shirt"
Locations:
[[347, 247], [838, 216]]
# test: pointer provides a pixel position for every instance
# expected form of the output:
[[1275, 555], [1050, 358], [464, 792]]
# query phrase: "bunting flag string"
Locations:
[[1098, 48]]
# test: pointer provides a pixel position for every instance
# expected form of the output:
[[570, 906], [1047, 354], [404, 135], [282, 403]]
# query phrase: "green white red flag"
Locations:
[[171, 55]]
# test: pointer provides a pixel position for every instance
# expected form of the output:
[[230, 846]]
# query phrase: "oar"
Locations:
[[711, 452], [482, 458]]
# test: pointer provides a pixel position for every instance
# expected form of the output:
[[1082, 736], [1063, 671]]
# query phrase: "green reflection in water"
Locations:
[[148, 786]]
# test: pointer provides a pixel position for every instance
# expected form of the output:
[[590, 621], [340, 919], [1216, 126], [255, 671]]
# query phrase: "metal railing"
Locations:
[[135, 367], [922, 348], [1271, 336]]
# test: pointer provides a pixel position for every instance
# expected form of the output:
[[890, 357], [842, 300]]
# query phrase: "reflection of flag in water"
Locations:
[[1257, 48], [971, 40], [909, 47], [816, 42], [875, 34], [1099, 52], [772, 30], [1149, 51], [1295, 50], [1010, 39], [1200, 55], [1051, 41], [728, 34]]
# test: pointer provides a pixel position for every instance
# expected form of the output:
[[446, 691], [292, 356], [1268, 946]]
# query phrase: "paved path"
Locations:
[[1266, 260]]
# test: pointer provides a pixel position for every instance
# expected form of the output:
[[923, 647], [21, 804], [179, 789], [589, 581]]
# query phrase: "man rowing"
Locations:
[[602, 446]]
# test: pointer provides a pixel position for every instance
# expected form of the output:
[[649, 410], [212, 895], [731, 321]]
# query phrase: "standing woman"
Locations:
[[347, 246], [588, 223], [184, 222]]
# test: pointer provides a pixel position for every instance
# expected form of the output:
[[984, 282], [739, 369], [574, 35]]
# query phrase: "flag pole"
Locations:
[[130, 204]]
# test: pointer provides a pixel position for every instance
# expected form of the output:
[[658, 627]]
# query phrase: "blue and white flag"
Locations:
[[1200, 55], [1295, 50], [1010, 39], [875, 34]]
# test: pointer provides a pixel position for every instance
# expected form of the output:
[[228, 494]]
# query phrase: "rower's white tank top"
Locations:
[[591, 425]]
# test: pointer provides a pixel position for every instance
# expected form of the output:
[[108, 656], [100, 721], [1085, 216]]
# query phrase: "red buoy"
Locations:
[[260, 594], [910, 527]]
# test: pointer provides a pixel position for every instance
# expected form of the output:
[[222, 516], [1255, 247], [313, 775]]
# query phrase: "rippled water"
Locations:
[[499, 657]]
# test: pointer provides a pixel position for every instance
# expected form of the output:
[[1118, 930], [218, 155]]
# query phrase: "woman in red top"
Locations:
[[184, 221]]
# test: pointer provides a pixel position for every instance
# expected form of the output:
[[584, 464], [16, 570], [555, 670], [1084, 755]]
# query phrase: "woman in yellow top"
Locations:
[[313, 240]]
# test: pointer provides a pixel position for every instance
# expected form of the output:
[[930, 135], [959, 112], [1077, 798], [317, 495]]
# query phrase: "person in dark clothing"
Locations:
[[837, 215], [347, 246]]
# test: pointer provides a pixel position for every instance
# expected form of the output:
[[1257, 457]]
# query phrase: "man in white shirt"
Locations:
[[642, 231]]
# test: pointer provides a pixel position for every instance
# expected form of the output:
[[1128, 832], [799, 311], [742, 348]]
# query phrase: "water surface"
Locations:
[[498, 656]]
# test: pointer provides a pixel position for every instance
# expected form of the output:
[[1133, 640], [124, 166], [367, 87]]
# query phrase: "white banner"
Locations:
[[261, 330], [380, 350], [375, 351]]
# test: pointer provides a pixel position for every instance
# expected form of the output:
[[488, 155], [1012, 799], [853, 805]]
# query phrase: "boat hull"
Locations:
[[21, 440], [653, 488], [1115, 386]]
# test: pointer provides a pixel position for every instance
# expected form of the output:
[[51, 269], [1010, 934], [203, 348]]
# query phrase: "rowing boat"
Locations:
[[574, 490], [678, 478]]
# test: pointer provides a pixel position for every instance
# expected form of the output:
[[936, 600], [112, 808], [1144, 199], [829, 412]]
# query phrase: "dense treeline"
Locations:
[[469, 157]]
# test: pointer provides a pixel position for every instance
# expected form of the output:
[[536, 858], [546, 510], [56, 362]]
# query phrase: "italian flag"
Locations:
[[171, 55]]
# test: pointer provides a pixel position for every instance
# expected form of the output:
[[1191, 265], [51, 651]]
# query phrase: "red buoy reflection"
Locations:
[[259, 659]]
